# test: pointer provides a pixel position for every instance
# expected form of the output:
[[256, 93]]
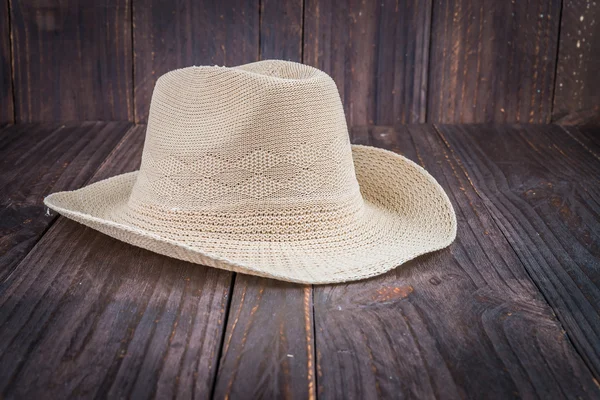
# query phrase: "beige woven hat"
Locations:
[[250, 169]]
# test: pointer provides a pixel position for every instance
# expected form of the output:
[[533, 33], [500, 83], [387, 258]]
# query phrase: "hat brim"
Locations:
[[407, 214]]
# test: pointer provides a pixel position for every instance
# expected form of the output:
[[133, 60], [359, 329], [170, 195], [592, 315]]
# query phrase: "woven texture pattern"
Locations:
[[251, 169]]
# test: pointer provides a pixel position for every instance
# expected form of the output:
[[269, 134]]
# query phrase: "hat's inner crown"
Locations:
[[260, 150]]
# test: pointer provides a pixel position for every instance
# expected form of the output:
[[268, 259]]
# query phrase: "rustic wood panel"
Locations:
[[465, 322], [587, 136], [577, 78], [268, 351], [492, 61], [80, 321], [281, 29], [541, 187], [6, 89], [177, 34], [72, 60], [36, 160], [377, 53]]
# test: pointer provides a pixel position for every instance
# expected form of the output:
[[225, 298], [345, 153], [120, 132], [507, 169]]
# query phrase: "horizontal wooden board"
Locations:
[[377, 52], [541, 187], [492, 61], [85, 315], [36, 160], [268, 350], [586, 136], [72, 60], [464, 322]]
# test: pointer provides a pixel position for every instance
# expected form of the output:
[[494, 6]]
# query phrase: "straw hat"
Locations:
[[250, 169]]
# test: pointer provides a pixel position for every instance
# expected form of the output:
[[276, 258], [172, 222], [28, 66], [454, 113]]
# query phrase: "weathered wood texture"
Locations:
[[6, 89], [81, 321], [577, 78], [36, 160], [469, 321], [268, 350], [492, 61], [176, 34], [72, 60], [281, 29], [587, 136], [465, 322], [541, 187], [377, 53]]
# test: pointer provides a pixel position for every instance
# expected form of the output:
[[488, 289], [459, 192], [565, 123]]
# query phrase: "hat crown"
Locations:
[[267, 137]]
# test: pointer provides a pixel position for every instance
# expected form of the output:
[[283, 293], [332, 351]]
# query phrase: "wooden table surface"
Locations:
[[510, 310]]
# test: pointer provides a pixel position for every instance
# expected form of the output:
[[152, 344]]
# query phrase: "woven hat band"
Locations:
[[277, 225]]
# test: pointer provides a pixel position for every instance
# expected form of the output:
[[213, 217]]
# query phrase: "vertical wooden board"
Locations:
[[492, 61], [6, 89], [176, 34], [281, 29], [268, 350], [542, 188], [72, 61], [377, 53], [86, 315], [35, 160], [577, 79], [464, 322]]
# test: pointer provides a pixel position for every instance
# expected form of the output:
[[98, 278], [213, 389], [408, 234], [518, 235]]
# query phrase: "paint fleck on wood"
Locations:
[[492, 61], [576, 89]]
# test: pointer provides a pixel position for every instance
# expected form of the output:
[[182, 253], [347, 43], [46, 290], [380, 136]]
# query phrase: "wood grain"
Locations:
[[6, 89], [492, 61], [85, 315], [377, 53], [72, 61], [541, 187], [281, 29], [465, 322], [36, 160], [587, 136], [268, 351], [177, 34], [577, 79]]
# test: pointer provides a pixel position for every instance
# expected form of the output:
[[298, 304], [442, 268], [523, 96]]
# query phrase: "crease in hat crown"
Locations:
[[259, 151]]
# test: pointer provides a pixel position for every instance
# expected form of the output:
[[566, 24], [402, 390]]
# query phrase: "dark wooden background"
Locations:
[[395, 61]]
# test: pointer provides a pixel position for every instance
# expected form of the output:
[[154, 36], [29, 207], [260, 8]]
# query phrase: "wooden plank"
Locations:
[[587, 136], [85, 315], [465, 322], [541, 187], [377, 53], [577, 78], [281, 29], [493, 61], [72, 61], [35, 160], [177, 34], [268, 350], [6, 89]]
